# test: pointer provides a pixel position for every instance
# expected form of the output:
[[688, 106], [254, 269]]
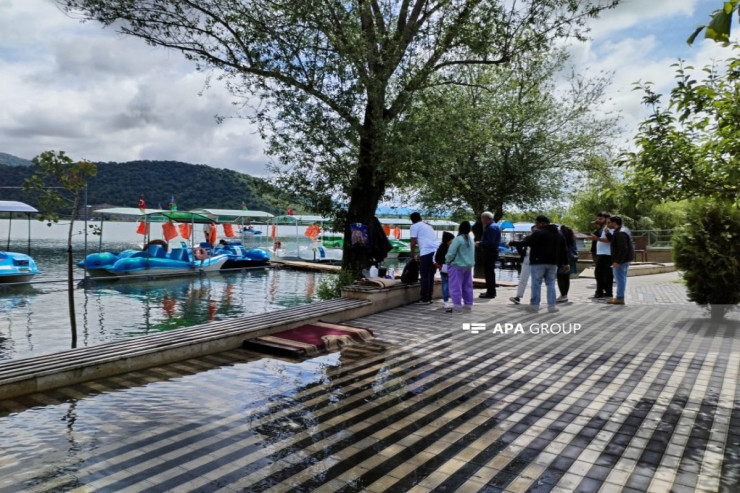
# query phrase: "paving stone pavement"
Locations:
[[642, 397]]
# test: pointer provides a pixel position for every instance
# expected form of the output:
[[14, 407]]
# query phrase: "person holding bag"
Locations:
[[461, 259]]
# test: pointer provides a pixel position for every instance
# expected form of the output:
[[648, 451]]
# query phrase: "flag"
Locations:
[[173, 204], [142, 205], [159, 205], [244, 206]]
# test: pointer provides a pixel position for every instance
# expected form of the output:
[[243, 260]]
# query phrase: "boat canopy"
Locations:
[[157, 215], [194, 216], [15, 206], [231, 215]]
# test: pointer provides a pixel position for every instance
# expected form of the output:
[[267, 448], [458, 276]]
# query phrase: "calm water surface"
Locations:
[[34, 319]]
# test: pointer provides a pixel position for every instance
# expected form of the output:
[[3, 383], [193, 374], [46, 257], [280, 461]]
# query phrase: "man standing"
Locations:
[[603, 268], [423, 235], [623, 252], [524, 272], [489, 252], [547, 252]]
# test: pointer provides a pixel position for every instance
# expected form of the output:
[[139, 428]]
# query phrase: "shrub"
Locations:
[[707, 249], [330, 286]]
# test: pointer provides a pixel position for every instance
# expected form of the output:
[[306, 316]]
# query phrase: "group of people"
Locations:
[[548, 254], [612, 249], [455, 258]]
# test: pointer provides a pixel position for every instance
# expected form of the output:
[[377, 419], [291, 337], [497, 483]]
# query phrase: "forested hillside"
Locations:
[[192, 185], [10, 160]]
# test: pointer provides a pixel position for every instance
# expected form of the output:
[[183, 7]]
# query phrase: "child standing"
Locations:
[[439, 262], [461, 259]]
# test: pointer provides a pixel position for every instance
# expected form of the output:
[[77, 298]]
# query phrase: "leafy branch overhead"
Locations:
[[719, 27]]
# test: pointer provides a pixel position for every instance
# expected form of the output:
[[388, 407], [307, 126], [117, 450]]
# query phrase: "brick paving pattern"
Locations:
[[643, 397]]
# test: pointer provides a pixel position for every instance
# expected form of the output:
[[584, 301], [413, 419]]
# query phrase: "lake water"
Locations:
[[34, 319]]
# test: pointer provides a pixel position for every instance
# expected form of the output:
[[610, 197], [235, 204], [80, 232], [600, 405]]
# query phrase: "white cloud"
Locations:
[[102, 96], [630, 13], [644, 40]]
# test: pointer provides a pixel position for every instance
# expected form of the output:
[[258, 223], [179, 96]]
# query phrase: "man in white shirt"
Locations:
[[422, 235], [603, 268]]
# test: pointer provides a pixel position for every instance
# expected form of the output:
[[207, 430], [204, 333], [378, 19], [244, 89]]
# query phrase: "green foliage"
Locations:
[[508, 138], [193, 186], [53, 174], [692, 147], [719, 27], [619, 196], [334, 78], [707, 249], [330, 286]]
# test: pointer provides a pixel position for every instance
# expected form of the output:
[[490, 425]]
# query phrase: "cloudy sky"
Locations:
[[98, 95]]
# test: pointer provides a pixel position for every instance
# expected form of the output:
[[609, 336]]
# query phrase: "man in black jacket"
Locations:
[[623, 252], [547, 252]]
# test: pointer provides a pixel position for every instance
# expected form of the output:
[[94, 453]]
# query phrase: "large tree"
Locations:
[[333, 76], [510, 136]]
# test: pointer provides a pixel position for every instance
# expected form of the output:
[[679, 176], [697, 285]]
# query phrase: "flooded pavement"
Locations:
[[644, 397]]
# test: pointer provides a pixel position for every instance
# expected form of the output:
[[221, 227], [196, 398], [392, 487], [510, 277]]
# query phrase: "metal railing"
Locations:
[[656, 238]]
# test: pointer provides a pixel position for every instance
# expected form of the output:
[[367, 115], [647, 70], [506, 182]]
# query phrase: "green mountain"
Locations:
[[192, 186], [10, 160]]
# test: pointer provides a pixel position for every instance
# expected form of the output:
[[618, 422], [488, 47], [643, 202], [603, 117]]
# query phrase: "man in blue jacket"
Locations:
[[488, 245]]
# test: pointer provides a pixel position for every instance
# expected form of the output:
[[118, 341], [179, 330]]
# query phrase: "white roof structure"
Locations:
[[442, 222], [235, 213], [394, 220], [15, 206]]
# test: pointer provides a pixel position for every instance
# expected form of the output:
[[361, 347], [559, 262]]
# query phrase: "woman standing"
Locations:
[[461, 259]]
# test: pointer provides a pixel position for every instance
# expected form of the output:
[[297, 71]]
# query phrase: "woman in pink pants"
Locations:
[[461, 259]]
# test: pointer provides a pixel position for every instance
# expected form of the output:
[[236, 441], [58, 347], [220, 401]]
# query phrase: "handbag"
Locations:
[[410, 272]]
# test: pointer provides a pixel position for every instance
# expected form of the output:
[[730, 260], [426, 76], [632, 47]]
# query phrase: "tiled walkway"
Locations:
[[644, 397]]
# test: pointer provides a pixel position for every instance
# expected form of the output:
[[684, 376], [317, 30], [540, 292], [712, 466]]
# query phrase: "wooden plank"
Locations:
[[76, 358]]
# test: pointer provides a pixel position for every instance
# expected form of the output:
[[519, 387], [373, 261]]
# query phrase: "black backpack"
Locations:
[[410, 272]]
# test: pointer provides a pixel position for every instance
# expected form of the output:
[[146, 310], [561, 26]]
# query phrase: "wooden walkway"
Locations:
[[36, 374]]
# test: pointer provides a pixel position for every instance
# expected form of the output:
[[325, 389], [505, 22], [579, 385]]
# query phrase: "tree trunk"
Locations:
[[368, 188], [70, 275], [363, 203]]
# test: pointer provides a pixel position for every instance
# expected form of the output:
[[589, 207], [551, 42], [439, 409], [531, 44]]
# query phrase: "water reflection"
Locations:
[[34, 318]]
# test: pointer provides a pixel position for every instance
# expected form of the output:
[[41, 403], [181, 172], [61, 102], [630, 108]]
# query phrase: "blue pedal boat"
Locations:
[[17, 267]]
